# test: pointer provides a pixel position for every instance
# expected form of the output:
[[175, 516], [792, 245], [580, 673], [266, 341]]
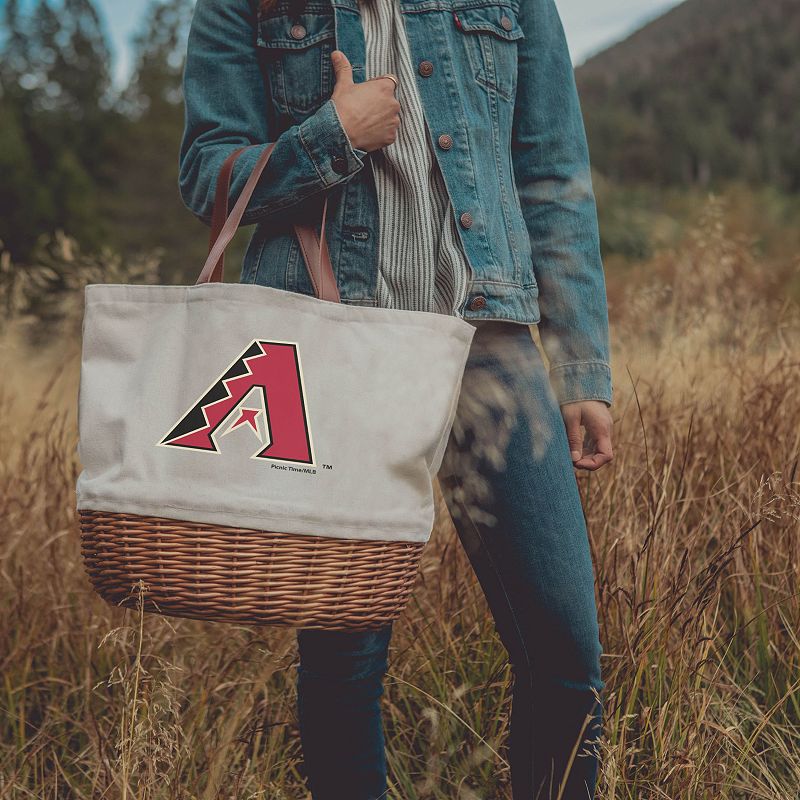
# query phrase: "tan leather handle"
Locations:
[[313, 247], [220, 211]]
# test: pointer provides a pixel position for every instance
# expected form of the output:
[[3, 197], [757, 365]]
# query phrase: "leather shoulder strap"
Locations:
[[313, 247]]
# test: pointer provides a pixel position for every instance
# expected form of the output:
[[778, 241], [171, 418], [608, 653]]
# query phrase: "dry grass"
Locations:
[[694, 530]]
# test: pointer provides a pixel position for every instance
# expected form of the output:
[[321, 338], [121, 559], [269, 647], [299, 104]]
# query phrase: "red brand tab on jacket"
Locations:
[[457, 21]]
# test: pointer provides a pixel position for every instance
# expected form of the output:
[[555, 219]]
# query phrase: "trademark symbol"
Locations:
[[327, 466]]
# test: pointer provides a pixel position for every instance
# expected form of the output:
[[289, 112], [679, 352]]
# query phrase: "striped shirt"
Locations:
[[422, 265]]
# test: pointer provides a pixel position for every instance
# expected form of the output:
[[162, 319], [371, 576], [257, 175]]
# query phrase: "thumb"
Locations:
[[342, 68], [574, 435]]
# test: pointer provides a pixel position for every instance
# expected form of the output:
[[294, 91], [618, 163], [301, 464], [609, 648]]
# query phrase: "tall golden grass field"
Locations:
[[695, 534]]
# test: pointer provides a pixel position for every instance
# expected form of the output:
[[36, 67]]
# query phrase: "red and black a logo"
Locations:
[[263, 390]]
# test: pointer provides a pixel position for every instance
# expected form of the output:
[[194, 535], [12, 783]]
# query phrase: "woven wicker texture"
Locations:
[[229, 574]]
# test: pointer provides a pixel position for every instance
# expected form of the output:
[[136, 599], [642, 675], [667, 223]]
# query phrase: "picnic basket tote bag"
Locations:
[[256, 455]]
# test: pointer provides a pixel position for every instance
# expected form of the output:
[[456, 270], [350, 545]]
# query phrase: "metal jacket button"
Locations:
[[506, 23], [478, 303], [297, 32], [466, 220], [339, 164], [425, 68], [445, 141]]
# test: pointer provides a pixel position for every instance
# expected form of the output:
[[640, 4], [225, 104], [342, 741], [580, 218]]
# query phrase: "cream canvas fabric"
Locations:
[[246, 405]]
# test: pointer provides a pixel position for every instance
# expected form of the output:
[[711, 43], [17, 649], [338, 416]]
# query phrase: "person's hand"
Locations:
[[592, 450], [369, 111]]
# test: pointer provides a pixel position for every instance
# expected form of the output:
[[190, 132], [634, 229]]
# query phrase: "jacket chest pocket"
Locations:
[[296, 55], [490, 35]]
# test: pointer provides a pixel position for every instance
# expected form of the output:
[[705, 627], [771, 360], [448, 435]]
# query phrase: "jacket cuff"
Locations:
[[582, 380], [328, 146]]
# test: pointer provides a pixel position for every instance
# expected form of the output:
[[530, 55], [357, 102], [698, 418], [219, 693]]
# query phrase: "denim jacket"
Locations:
[[493, 74]]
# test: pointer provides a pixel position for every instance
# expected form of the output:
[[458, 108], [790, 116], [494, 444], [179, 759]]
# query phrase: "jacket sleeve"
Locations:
[[551, 167], [224, 95]]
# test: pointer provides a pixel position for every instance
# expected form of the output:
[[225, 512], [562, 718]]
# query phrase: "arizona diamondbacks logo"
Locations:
[[262, 390]]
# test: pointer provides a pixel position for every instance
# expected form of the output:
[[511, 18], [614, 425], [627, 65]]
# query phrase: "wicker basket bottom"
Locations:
[[228, 574]]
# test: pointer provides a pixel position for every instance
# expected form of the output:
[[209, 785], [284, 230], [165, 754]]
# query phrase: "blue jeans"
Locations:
[[508, 457]]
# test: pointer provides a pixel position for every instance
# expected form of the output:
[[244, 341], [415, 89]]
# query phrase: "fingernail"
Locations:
[[575, 455]]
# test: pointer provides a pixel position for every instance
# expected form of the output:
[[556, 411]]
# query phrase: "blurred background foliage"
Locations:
[[78, 156], [703, 98]]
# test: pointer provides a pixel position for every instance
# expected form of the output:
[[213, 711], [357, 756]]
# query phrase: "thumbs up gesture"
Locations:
[[369, 111]]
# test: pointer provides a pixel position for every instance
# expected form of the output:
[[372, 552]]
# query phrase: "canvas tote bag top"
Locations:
[[245, 405]]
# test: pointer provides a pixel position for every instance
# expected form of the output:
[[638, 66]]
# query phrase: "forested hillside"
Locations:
[[709, 91], [79, 155]]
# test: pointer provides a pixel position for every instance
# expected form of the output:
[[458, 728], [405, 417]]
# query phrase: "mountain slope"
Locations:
[[707, 92]]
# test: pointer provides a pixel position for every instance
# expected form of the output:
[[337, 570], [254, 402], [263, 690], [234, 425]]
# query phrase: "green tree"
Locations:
[[57, 122], [146, 207]]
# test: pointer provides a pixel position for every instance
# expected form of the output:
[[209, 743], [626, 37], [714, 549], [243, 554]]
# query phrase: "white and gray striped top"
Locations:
[[422, 265]]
